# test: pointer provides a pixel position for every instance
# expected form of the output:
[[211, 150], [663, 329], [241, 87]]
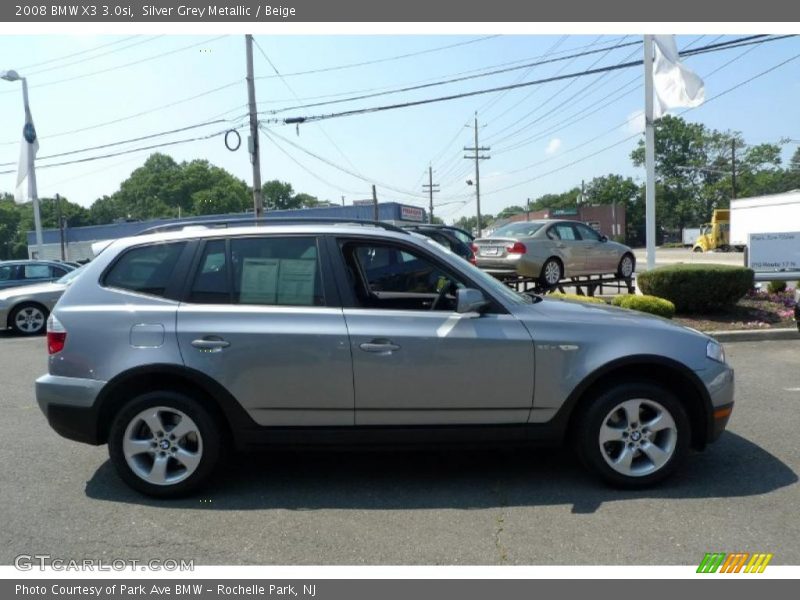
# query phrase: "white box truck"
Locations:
[[775, 213]]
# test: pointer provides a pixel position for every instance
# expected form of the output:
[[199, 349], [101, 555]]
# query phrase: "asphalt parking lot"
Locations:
[[457, 507]]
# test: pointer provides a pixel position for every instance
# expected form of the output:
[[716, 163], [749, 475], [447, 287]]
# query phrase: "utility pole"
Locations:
[[60, 225], [431, 189], [253, 146], [477, 149], [528, 210], [374, 204], [342, 200], [733, 167]]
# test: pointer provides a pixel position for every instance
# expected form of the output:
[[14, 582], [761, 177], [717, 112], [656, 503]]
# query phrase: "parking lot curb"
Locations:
[[755, 335]]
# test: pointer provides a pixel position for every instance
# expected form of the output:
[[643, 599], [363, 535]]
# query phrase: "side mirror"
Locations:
[[470, 300], [603, 238]]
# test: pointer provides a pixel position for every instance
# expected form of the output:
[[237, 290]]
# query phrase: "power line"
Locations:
[[130, 151], [708, 100], [626, 65], [128, 141], [138, 114], [429, 79], [339, 167], [381, 60], [452, 80], [139, 42], [288, 87], [304, 168], [86, 51], [122, 66]]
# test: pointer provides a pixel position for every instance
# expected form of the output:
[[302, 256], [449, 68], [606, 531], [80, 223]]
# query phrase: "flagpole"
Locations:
[[37, 219], [649, 155]]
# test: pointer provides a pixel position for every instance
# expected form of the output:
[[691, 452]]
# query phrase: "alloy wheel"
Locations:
[[638, 437], [162, 445]]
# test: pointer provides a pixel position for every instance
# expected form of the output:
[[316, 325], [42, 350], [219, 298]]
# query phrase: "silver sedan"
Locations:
[[25, 309], [550, 250]]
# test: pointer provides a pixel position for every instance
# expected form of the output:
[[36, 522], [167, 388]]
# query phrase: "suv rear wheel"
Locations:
[[164, 444], [633, 435]]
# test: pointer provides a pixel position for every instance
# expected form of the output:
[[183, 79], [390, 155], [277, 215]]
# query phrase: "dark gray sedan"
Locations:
[[550, 250]]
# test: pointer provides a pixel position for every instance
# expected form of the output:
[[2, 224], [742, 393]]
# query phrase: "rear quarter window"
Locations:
[[147, 270]]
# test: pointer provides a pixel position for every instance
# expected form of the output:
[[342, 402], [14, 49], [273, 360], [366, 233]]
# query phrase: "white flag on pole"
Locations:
[[27, 153], [674, 84]]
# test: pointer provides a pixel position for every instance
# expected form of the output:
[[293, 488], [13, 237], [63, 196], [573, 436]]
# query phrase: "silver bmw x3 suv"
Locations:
[[175, 348]]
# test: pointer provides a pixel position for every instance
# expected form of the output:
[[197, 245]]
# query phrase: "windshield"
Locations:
[[71, 275], [522, 229]]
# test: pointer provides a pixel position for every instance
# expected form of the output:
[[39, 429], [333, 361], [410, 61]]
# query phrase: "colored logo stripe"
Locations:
[[733, 563], [758, 563]]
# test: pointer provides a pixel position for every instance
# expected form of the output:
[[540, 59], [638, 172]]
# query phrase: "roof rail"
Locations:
[[225, 223]]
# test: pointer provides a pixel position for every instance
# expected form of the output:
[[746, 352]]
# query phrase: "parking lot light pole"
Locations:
[[29, 138]]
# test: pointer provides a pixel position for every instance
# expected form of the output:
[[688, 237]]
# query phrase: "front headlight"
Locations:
[[715, 352]]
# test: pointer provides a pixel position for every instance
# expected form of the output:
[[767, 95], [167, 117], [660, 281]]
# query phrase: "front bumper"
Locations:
[[719, 381], [70, 408]]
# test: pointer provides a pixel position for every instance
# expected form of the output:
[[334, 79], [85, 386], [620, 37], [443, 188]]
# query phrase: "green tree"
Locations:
[[510, 211], [278, 195], [305, 201], [612, 189], [468, 223], [9, 227]]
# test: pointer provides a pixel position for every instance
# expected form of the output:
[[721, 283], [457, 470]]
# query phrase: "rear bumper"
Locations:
[[69, 405]]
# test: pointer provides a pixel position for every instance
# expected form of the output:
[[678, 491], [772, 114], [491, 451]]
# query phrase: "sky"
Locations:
[[88, 91]]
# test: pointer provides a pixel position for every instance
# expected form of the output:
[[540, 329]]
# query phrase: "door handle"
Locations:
[[210, 344], [379, 346]]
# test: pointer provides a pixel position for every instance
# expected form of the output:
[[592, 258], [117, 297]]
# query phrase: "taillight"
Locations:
[[56, 335], [472, 256], [516, 248]]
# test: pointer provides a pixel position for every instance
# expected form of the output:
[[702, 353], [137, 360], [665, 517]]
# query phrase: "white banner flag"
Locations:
[[27, 153], [674, 84]]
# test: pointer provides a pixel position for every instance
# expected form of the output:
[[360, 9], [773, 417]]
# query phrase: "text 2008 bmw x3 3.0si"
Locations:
[[175, 347]]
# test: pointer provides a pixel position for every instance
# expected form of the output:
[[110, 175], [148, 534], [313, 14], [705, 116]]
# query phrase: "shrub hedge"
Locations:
[[590, 299], [775, 287], [648, 304], [697, 287]]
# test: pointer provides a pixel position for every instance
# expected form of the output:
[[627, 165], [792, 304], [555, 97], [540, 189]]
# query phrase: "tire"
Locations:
[[627, 264], [636, 455], [28, 319], [153, 462], [697, 249], [552, 272]]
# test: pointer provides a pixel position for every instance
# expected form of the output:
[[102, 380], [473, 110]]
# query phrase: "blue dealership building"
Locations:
[[78, 240]]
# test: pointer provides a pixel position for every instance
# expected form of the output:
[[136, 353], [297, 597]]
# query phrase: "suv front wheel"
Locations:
[[164, 444], [633, 435]]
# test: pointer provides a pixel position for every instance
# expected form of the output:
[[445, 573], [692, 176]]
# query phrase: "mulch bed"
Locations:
[[757, 310]]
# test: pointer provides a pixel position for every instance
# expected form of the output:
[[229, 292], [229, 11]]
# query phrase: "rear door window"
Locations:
[[147, 270], [280, 271], [37, 272]]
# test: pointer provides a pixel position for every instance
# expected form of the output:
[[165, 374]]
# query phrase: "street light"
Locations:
[[29, 136]]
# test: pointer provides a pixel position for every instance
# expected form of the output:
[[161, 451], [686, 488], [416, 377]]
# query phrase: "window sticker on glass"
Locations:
[[296, 281], [259, 281]]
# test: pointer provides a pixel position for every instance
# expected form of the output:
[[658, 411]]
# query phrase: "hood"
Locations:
[[574, 311], [29, 290]]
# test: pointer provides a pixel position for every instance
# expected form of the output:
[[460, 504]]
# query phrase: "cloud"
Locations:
[[635, 123], [553, 146]]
